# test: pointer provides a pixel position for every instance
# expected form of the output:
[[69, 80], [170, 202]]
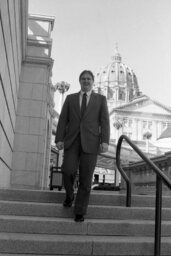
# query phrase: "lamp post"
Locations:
[[62, 87], [117, 124], [147, 135]]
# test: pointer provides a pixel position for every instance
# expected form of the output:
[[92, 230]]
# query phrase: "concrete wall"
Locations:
[[10, 66]]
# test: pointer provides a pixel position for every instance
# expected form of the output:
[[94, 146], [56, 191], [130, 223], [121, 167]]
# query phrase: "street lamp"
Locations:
[[118, 124], [147, 135], [62, 87]]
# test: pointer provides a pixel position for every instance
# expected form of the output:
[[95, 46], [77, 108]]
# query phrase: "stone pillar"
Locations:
[[136, 129], [154, 130], [139, 129], [30, 164]]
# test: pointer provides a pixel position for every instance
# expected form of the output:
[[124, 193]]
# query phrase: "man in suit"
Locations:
[[83, 131]]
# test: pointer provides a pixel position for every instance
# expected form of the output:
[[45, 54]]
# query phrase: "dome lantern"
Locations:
[[117, 57]]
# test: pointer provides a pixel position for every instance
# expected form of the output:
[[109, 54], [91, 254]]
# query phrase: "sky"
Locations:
[[86, 31]]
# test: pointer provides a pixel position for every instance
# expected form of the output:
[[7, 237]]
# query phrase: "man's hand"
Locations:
[[104, 147], [60, 145]]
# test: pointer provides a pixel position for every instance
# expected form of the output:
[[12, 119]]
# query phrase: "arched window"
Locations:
[[121, 94], [121, 75], [110, 93]]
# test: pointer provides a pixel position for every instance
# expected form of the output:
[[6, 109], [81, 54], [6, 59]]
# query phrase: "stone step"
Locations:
[[150, 190], [80, 245], [14, 254], [100, 227], [94, 211], [97, 197], [35, 223]]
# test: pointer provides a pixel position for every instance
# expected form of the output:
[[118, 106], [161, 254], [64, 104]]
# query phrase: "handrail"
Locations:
[[127, 180], [161, 177]]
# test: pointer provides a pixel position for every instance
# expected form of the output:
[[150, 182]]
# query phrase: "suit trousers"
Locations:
[[75, 159]]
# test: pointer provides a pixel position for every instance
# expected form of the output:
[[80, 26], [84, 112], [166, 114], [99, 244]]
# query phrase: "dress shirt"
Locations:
[[88, 96]]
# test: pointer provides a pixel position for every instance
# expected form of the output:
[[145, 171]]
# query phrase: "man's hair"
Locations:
[[86, 72]]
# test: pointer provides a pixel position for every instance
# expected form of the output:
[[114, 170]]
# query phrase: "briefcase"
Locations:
[[56, 179]]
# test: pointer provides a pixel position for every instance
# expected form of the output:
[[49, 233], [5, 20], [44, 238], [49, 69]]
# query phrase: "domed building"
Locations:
[[117, 82], [131, 112]]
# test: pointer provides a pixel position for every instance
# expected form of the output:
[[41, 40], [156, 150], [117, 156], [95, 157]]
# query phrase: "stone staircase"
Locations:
[[35, 223]]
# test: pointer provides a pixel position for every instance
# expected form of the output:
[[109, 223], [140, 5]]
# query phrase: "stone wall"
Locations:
[[31, 157], [142, 176], [10, 66]]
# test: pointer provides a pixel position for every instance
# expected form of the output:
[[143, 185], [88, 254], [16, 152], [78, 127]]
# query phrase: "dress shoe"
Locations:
[[79, 218], [68, 201]]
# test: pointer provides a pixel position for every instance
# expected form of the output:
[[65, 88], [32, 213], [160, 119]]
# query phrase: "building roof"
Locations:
[[143, 104], [166, 134]]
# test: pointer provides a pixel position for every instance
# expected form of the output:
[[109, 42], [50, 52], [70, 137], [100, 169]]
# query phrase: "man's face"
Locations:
[[86, 82]]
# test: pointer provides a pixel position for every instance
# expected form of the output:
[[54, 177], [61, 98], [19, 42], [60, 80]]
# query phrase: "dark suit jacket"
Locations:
[[93, 127]]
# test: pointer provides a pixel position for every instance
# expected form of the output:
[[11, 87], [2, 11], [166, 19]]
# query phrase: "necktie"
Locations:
[[84, 104]]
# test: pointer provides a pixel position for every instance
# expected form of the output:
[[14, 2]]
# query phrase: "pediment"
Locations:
[[144, 106], [152, 108]]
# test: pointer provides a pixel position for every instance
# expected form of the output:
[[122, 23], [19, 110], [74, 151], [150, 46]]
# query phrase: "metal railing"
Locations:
[[160, 177]]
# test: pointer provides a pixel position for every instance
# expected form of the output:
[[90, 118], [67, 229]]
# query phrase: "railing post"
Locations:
[[157, 242], [128, 196]]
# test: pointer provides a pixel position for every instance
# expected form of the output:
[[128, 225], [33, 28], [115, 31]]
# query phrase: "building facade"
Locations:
[[26, 96], [133, 114]]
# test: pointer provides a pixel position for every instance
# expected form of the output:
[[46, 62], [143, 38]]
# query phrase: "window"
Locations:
[[121, 75], [130, 123], [149, 125], [121, 94], [110, 93], [144, 124]]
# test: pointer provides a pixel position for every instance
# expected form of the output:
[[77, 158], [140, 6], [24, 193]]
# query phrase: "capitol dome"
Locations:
[[117, 82]]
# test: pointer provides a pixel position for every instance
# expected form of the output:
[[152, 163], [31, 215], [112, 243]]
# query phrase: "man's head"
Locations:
[[86, 80]]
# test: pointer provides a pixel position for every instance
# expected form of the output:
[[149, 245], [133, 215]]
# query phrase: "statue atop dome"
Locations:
[[117, 56], [117, 82]]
